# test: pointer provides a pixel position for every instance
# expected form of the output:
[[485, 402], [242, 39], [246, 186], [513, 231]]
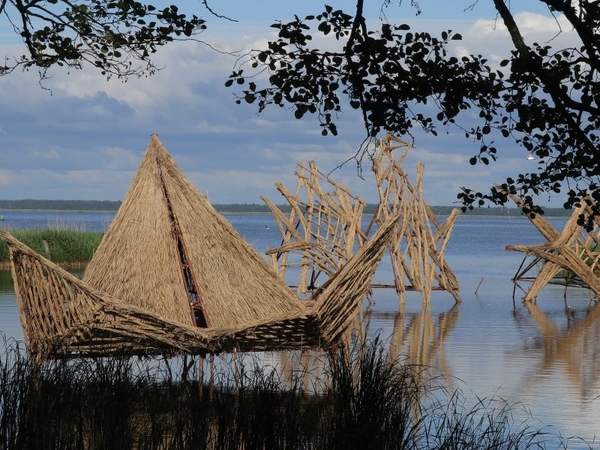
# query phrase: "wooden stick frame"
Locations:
[[323, 228], [418, 245], [571, 254]]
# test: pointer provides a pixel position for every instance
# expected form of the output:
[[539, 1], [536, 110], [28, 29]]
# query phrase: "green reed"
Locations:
[[61, 245], [365, 400]]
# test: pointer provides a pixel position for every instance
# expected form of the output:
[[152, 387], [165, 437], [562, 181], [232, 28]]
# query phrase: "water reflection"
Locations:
[[6, 283], [419, 338], [574, 347], [10, 324], [416, 338]]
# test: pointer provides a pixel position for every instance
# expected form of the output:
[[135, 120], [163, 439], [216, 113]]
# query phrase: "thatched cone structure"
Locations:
[[172, 276], [168, 248]]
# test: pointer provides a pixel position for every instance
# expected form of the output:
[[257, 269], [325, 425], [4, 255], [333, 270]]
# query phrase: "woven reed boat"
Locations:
[[172, 276]]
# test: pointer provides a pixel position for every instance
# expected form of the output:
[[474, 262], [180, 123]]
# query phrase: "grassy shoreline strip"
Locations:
[[72, 248]]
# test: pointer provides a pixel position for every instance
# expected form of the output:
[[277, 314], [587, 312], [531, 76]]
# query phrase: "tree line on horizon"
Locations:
[[113, 205]]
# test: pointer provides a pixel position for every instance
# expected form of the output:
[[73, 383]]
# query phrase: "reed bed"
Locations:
[[363, 401], [62, 245]]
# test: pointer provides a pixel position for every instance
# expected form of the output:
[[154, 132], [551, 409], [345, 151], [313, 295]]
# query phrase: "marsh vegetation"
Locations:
[[363, 400], [64, 244]]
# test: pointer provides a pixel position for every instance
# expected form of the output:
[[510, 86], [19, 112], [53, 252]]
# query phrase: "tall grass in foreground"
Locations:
[[61, 245], [364, 402]]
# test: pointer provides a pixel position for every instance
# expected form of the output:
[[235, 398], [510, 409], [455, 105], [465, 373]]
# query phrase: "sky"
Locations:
[[83, 137]]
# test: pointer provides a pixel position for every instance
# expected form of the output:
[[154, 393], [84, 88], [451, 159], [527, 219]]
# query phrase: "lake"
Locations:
[[490, 344]]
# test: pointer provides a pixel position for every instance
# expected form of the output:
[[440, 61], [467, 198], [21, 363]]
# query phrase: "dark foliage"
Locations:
[[545, 99], [365, 400], [61, 205], [116, 36]]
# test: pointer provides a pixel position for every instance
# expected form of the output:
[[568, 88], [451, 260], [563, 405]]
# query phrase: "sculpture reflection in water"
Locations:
[[573, 345], [324, 228], [418, 338], [569, 258], [413, 338]]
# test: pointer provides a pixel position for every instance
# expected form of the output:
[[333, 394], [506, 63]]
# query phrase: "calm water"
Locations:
[[539, 356]]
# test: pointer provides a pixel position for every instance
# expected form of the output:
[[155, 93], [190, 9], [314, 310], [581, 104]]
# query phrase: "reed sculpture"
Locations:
[[172, 276]]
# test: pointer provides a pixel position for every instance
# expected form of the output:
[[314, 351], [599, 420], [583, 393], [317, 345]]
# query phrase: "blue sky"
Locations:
[[432, 10], [85, 138]]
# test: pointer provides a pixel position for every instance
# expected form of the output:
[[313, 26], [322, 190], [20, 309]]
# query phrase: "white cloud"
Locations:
[[491, 37], [6, 177], [86, 137], [49, 154], [119, 159], [240, 186]]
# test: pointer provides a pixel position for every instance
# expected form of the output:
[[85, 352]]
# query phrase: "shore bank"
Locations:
[[71, 249]]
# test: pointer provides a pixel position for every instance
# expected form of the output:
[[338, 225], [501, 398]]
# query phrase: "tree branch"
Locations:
[[533, 62], [584, 30], [220, 16], [358, 24]]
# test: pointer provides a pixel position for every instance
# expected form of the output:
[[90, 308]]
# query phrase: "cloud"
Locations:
[[119, 159], [47, 154], [68, 185], [245, 186], [85, 137], [491, 37], [6, 177]]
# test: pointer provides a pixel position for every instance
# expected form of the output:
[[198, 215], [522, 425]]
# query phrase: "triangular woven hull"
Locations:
[[62, 316]]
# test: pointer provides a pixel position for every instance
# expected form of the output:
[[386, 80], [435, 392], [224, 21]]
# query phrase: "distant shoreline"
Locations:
[[100, 206]]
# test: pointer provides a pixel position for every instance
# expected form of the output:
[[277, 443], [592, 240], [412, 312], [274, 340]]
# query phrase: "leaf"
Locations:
[[324, 28]]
